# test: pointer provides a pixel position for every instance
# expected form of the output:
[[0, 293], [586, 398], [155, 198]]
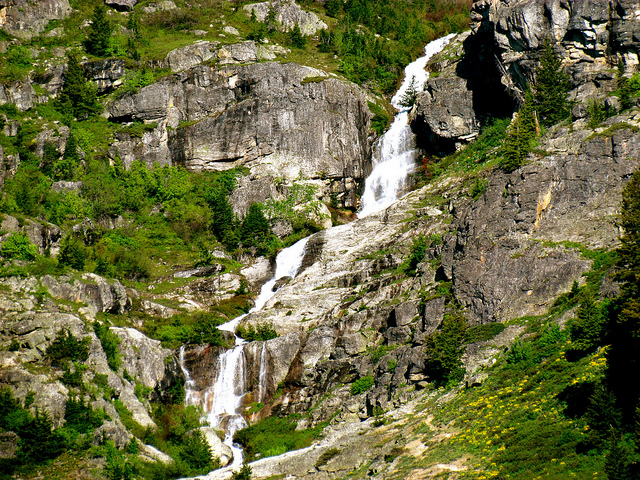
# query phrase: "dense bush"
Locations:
[[444, 349], [361, 385], [19, 247], [67, 348], [274, 436], [261, 332], [109, 342]]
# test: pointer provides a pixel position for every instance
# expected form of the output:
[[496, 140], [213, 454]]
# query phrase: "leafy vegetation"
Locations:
[[361, 385], [274, 436], [67, 348], [261, 332]]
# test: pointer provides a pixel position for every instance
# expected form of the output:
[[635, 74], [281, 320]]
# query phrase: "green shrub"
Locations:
[[67, 348], [196, 454], [72, 252], [481, 333], [261, 332], [243, 474], [586, 330], [98, 40], [478, 188], [361, 385], [274, 436], [444, 349], [79, 416], [380, 120], [78, 97], [19, 247], [109, 342], [419, 247]]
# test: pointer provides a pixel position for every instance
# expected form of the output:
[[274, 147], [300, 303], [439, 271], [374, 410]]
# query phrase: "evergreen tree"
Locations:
[[72, 253], [296, 38], [255, 229], [223, 220], [49, 159], [551, 88], [98, 40], [444, 349], [624, 325], [333, 7], [520, 137], [586, 330], [410, 94], [133, 24], [67, 167], [78, 96]]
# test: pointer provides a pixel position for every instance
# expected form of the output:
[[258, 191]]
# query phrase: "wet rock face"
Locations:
[[265, 116], [26, 18]]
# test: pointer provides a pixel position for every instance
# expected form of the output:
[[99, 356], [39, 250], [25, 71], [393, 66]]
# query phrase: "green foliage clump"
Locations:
[[586, 330], [255, 231], [78, 97], [361, 385], [19, 247], [261, 332], [72, 252], [478, 188], [109, 342], [16, 64], [520, 137], [98, 40], [419, 247], [190, 328], [66, 347], [38, 441], [196, 454], [551, 88], [481, 333], [296, 39], [444, 349], [274, 436], [410, 95], [68, 168], [380, 120], [79, 416]]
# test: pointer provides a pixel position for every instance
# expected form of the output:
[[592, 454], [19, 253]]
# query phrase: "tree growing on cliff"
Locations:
[[520, 137], [98, 40], [78, 97], [551, 88]]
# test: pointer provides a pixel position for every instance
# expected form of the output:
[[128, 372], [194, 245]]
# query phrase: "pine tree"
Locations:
[[410, 94], [520, 137], [78, 97], [551, 88], [66, 168], [98, 40], [296, 38], [623, 355], [49, 159], [255, 227]]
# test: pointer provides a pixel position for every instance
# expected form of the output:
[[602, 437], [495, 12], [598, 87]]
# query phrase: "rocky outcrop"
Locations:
[[43, 235], [493, 64], [97, 293], [268, 117], [122, 5], [107, 74], [26, 18], [288, 14], [498, 264]]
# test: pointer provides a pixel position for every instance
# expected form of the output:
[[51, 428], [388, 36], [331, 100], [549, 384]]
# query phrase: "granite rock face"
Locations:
[[268, 117], [26, 18], [492, 65], [287, 15]]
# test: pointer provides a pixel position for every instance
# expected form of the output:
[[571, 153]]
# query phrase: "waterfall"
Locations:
[[223, 400], [394, 156]]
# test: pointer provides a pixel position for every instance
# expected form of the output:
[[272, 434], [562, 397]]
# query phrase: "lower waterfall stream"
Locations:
[[394, 160]]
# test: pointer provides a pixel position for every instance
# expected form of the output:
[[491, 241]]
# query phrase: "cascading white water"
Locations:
[[394, 157], [392, 164], [223, 401]]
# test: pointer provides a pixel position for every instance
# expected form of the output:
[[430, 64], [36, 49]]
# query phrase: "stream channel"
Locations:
[[393, 162]]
